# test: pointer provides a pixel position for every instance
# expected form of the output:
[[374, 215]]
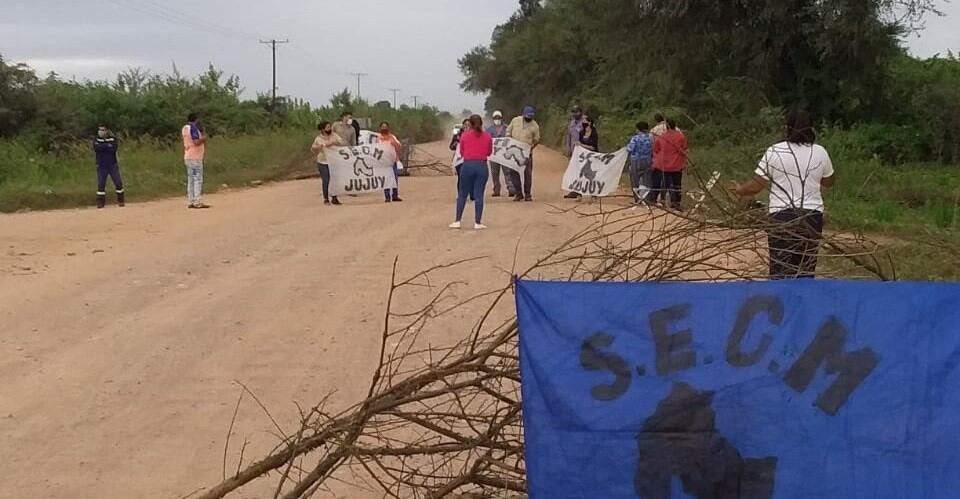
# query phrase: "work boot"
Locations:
[[101, 200], [121, 199], [336, 201]]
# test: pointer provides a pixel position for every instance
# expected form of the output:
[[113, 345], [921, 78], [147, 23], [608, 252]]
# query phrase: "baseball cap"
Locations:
[[529, 112], [497, 114]]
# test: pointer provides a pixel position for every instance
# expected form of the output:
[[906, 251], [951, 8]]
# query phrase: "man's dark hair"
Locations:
[[800, 127], [322, 125], [103, 124], [191, 117], [643, 126], [345, 114], [672, 124], [385, 123], [658, 117]]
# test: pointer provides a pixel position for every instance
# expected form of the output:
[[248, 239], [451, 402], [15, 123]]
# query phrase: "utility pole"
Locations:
[[394, 90], [273, 46], [415, 97], [359, 76]]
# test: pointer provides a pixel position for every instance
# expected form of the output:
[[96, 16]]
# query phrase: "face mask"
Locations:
[[384, 131], [497, 121], [102, 134], [328, 131], [528, 120]]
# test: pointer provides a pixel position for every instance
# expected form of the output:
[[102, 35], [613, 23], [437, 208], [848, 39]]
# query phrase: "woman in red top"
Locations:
[[388, 138], [476, 146], [669, 159]]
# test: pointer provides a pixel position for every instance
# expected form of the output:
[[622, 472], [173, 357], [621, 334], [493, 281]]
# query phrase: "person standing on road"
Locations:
[[796, 171], [498, 130], [386, 137], [326, 139], [194, 149], [640, 150], [455, 146], [105, 148], [589, 139], [525, 129], [344, 128], [572, 138], [669, 160], [574, 127], [476, 146]]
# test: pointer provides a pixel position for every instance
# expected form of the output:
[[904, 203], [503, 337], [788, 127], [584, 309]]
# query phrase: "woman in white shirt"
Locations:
[[796, 171]]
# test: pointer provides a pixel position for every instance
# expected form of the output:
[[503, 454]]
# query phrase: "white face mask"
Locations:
[[102, 134], [497, 121]]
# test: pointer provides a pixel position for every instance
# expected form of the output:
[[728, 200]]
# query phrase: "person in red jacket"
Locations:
[[669, 160]]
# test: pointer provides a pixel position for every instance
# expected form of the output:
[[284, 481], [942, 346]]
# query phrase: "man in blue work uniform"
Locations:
[[105, 148]]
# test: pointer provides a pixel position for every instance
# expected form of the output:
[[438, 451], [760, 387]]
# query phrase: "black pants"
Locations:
[[325, 180], [113, 172], [495, 176], [523, 187], [794, 240], [665, 184]]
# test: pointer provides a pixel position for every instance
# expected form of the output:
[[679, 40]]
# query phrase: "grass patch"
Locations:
[[151, 168]]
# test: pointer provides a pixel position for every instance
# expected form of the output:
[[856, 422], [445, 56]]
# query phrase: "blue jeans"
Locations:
[[395, 192], [472, 181]]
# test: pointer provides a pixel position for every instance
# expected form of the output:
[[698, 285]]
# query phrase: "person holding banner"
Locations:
[[525, 129], [589, 139], [391, 195], [326, 139], [669, 160], [499, 130], [476, 146], [796, 171]]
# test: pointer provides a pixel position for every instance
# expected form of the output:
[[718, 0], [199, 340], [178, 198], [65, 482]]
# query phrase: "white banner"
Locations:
[[361, 169], [594, 173], [367, 138], [507, 152]]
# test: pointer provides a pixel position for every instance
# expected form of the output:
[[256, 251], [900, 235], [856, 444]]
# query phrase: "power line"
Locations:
[[273, 45], [359, 76], [188, 17], [394, 90], [176, 17]]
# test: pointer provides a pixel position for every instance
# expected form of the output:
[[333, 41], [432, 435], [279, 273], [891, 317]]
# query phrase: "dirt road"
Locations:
[[124, 330]]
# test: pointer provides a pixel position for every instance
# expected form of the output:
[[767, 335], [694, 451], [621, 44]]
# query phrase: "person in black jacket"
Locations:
[[105, 149]]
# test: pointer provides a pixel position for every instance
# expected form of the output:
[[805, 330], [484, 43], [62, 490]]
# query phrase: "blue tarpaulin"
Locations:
[[789, 389]]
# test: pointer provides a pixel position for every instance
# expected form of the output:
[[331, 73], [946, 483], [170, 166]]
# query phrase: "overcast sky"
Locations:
[[410, 44]]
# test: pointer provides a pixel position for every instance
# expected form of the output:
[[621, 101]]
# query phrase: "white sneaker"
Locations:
[[454, 225], [479, 227]]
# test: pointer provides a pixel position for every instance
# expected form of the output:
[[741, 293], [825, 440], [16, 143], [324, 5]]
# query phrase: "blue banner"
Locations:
[[788, 389]]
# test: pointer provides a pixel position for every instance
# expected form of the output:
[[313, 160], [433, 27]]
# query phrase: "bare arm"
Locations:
[[828, 182], [751, 188]]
